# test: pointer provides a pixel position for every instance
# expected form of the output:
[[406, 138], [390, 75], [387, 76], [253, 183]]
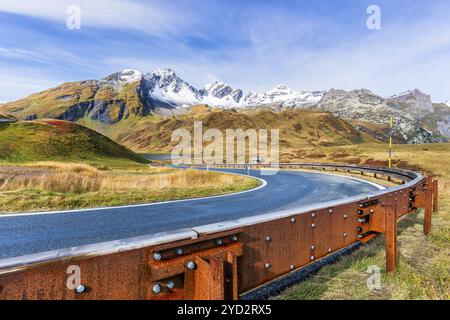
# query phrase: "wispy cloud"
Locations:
[[14, 83], [157, 18]]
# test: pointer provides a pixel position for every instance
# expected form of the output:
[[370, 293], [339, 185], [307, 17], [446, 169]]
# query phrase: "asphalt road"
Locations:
[[27, 234]]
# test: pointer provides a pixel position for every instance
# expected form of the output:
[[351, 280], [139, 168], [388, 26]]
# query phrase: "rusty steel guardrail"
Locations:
[[228, 259]]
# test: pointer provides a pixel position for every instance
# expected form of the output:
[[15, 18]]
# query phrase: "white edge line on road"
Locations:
[[263, 184]]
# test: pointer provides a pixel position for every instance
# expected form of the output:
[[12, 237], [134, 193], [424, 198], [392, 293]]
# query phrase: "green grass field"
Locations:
[[56, 140]]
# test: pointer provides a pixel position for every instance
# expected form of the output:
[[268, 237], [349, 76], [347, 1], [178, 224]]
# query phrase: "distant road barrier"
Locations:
[[225, 260]]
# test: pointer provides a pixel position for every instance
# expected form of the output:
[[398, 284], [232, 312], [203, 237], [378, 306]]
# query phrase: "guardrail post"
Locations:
[[428, 206], [391, 238], [435, 195]]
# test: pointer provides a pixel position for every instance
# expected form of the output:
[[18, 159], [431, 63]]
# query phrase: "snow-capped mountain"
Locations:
[[123, 77], [165, 86], [283, 96], [221, 94]]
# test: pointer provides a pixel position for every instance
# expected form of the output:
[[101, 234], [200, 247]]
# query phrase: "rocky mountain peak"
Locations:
[[414, 99], [218, 89], [124, 76], [280, 89]]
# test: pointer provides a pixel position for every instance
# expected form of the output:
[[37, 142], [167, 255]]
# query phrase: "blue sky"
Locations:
[[250, 44]]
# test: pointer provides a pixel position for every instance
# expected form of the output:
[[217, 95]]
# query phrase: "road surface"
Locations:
[[32, 233]]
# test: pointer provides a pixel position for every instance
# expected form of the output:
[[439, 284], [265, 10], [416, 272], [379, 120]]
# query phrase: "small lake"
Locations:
[[157, 156]]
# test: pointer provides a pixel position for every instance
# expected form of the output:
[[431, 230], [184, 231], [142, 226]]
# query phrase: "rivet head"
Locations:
[[268, 238], [156, 288], [292, 267], [312, 258], [80, 289], [372, 211], [179, 251], [157, 256], [313, 247], [190, 265], [345, 235], [313, 215], [330, 210], [345, 216], [361, 205], [293, 220], [219, 242], [267, 265], [170, 284], [329, 250], [313, 225], [234, 238]]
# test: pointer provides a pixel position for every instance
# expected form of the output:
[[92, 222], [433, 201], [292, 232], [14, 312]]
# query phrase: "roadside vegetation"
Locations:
[[424, 268], [53, 185]]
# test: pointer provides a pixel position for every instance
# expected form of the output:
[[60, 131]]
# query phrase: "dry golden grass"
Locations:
[[175, 179], [79, 178], [47, 185], [53, 176]]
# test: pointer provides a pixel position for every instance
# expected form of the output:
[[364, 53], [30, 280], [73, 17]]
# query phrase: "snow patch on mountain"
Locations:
[[284, 96], [124, 77], [220, 94], [164, 85]]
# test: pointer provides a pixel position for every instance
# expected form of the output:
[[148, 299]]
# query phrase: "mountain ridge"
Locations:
[[129, 93]]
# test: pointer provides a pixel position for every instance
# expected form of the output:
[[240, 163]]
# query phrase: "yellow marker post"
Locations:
[[391, 127]]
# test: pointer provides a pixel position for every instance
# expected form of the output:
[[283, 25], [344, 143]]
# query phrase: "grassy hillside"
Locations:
[[298, 128], [424, 261], [75, 100], [58, 140]]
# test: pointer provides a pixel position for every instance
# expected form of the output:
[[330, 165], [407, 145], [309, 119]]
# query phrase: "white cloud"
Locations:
[[151, 17], [22, 84]]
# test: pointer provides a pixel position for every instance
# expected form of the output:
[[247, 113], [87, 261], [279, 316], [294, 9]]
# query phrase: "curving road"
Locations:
[[33, 233]]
